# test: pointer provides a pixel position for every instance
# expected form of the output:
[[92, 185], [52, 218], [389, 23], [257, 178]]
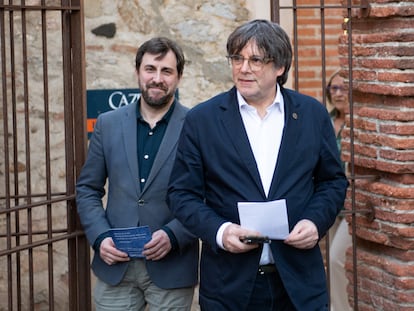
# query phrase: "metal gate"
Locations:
[[44, 258]]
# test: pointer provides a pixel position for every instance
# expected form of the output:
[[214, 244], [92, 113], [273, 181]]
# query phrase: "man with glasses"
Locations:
[[258, 142]]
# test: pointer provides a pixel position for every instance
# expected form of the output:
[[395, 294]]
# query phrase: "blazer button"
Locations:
[[141, 202]]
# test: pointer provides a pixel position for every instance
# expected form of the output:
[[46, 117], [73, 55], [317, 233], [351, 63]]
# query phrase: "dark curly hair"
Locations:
[[161, 45], [269, 37]]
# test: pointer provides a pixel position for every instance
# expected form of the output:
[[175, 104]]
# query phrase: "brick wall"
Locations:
[[317, 44], [382, 133]]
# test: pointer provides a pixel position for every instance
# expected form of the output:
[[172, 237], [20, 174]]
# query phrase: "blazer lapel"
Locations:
[[129, 133], [233, 123], [287, 147], [168, 143]]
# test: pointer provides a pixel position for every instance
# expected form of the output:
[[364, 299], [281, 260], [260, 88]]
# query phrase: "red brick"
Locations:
[[404, 243], [391, 11], [383, 37], [403, 179], [391, 190], [404, 77], [363, 123], [329, 53], [396, 142], [373, 236], [386, 114], [396, 89], [312, 62], [380, 51], [310, 32], [364, 75], [368, 151], [383, 63], [384, 25], [385, 279], [310, 84], [387, 259], [397, 129], [397, 155], [308, 74], [307, 12], [401, 269], [395, 218], [361, 99], [366, 198], [380, 165], [373, 75], [382, 251]]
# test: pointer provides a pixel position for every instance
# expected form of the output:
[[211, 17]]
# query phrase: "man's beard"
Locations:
[[153, 102]]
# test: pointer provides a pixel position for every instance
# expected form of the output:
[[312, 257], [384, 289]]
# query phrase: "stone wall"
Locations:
[[200, 27]]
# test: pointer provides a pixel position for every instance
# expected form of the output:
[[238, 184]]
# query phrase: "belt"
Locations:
[[266, 269]]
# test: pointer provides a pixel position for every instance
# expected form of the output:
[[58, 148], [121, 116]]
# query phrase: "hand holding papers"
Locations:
[[269, 218], [131, 240]]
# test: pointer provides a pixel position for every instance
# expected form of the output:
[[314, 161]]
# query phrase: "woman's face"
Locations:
[[339, 93]]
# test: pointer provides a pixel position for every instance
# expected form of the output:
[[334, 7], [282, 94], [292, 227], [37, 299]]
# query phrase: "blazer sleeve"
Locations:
[[90, 188], [329, 179]]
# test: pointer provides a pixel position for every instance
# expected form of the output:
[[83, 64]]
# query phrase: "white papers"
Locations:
[[269, 218]]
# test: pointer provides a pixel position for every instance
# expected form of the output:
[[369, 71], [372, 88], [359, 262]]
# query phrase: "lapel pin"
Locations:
[[295, 115]]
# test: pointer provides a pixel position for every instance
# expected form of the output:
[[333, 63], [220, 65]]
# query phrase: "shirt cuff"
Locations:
[[219, 235], [96, 246]]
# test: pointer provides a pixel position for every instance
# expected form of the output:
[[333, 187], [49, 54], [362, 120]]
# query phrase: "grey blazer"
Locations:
[[112, 157]]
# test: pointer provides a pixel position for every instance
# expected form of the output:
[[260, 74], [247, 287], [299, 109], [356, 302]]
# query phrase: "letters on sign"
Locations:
[[99, 101], [118, 99]]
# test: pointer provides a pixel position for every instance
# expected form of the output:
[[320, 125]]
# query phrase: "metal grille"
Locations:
[[44, 258], [295, 15]]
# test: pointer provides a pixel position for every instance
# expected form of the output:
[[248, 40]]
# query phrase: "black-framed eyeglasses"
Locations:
[[255, 62]]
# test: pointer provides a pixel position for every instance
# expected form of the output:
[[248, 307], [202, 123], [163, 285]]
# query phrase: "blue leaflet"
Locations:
[[131, 240]]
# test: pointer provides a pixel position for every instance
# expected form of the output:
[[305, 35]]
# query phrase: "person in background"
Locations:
[[337, 95], [133, 149], [258, 142]]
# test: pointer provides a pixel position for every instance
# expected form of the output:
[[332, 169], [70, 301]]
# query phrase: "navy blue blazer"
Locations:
[[112, 157], [215, 168]]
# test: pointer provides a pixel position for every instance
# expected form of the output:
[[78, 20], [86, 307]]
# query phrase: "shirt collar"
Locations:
[[277, 101]]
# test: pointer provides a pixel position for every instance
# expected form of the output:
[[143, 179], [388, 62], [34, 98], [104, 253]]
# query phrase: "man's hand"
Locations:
[[231, 239], [158, 247], [304, 235], [110, 254]]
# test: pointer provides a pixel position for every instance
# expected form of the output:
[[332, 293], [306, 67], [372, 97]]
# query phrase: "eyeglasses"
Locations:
[[336, 88], [256, 63]]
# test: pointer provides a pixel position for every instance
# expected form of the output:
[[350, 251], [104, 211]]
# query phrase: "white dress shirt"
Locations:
[[265, 135]]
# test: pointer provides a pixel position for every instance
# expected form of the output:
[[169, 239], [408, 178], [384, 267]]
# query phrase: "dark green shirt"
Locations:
[[149, 141]]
